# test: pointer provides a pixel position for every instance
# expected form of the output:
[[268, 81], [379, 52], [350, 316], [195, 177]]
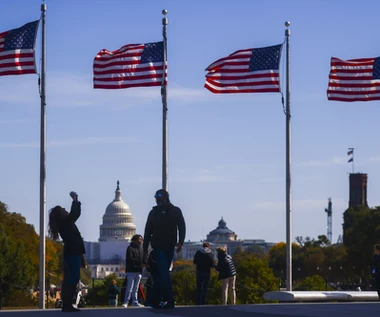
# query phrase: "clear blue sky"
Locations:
[[226, 152]]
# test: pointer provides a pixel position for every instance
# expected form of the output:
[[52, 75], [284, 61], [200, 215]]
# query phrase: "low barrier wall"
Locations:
[[314, 296]]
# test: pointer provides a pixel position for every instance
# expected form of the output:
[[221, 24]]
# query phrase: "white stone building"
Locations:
[[107, 256]]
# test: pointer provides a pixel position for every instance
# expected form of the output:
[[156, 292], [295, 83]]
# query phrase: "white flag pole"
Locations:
[[43, 165], [164, 108], [288, 170]]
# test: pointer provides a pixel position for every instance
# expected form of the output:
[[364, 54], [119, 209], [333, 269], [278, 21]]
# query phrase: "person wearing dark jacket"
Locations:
[[113, 292], [204, 261], [227, 273], [133, 268], [62, 223], [376, 268], [165, 230]]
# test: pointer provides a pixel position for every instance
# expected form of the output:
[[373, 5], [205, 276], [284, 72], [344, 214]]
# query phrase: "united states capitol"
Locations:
[[107, 256]]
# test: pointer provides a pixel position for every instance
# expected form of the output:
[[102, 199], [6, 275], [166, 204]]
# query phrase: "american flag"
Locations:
[[354, 80], [17, 50], [133, 65], [249, 70]]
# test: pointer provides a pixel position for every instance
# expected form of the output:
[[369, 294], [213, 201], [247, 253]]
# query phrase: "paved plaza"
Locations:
[[349, 309]]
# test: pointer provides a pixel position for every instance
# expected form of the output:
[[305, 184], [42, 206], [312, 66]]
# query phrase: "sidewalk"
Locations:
[[265, 310]]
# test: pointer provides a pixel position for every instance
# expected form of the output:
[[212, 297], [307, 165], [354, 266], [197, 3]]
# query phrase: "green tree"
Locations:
[[311, 283], [254, 278], [184, 286]]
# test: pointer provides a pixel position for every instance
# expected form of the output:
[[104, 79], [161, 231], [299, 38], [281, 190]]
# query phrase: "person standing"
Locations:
[[376, 268], [204, 261], [113, 292], [62, 223], [134, 258], [227, 273], [165, 231]]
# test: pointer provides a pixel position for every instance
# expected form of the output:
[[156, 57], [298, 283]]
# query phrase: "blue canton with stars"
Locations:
[[376, 68], [21, 38], [265, 58], [153, 52]]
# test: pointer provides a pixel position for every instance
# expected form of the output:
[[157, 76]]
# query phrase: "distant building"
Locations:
[[107, 256], [358, 190], [223, 237]]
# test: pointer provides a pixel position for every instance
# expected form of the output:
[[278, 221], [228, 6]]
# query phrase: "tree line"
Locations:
[[317, 263]]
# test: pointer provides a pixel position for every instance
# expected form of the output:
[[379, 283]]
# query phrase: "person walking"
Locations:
[[227, 274], [134, 258], [376, 268], [165, 231], [62, 223], [204, 261], [113, 293]]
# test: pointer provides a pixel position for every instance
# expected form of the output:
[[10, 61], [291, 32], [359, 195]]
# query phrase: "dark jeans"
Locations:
[[203, 278], [71, 277], [377, 283], [162, 284], [71, 269]]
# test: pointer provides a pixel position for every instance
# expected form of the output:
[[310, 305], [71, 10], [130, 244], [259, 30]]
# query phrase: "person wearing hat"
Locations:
[[165, 231], [133, 268]]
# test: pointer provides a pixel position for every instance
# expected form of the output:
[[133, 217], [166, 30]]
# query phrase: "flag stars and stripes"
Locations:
[[376, 68], [133, 65], [21, 38], [265, 58], [246, 71], [354, 80], [153, 52], [17, 54]]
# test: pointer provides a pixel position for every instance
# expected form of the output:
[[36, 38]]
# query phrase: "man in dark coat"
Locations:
[[204, 261], [165, 231]]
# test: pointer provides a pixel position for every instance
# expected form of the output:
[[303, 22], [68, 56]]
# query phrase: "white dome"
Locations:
[[118, 206], [117, 220]]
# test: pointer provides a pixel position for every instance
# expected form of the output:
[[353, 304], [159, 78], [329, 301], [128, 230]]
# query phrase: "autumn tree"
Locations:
[[18, 257], [254, 278]]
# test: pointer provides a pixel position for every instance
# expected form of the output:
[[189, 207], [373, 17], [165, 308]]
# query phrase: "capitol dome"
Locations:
[[117, 220]]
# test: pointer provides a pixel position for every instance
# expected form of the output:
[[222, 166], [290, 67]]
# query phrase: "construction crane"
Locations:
[[329, 219]]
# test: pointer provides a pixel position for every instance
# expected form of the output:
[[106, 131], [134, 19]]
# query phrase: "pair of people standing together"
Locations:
[[165, 231], [204, 261]]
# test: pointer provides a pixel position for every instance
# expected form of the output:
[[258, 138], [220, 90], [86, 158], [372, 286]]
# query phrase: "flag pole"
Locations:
[[43, 164], [288, 170], [164, 108]]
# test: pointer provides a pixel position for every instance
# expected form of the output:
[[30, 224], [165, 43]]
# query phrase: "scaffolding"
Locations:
[[328, 210]]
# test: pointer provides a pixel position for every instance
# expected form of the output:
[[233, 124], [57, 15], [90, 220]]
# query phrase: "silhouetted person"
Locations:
[[113, 292], [376, 268], [227, 273], [134, 264], [165, 230], [204, 261], [62, 223]]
